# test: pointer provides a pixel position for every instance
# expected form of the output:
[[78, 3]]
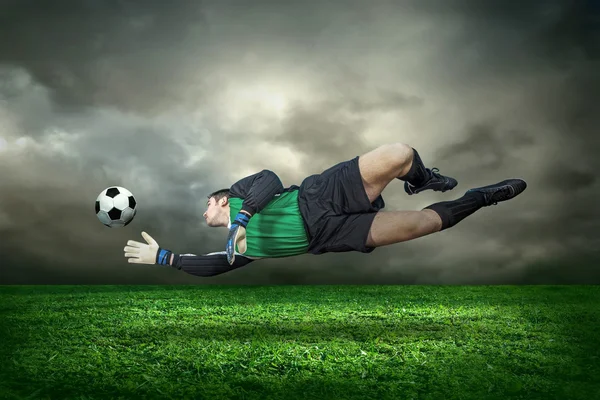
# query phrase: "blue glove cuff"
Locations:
[[163, 256], [242, 219]]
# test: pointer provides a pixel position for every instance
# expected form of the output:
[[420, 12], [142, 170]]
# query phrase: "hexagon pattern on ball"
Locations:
[[121, 202], [103, 217], [106, 203], [127, 215], [115, 207]]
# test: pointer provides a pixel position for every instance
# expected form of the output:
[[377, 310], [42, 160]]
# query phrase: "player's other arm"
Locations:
[[257, 190], [208, 264]]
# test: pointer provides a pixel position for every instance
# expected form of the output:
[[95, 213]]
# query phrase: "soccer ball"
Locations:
[[115, 207]]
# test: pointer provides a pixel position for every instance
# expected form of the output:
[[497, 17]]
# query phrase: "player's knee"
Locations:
[[400, 152], [432, 220]]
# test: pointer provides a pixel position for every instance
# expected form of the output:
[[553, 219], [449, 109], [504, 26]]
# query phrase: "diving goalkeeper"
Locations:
[[338, 210]]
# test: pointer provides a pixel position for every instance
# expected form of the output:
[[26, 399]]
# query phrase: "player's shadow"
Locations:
[[361, 329]]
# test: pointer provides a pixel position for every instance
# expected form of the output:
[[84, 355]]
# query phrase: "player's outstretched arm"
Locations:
[[210, 264], [204, 265]]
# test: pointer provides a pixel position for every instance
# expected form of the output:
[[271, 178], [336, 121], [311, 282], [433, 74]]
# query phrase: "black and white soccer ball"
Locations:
[[115, 207]]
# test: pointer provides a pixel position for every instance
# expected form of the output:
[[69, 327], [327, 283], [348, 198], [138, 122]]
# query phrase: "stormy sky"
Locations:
[[174, 100]]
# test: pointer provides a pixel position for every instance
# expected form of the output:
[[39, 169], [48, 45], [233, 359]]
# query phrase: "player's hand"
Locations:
[[146, 253], [237, 236]]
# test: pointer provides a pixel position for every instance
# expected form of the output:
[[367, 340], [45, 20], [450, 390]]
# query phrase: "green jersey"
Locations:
[[277, 230]]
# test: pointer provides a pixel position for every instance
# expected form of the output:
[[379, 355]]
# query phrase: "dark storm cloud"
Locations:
[[571, 178], [521, 37], [145, 95], [334, 129], [318, 133], [106, 53], [495, 145]]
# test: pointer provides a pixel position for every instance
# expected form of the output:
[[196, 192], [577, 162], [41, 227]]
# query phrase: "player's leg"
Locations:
[[400, 226], [392, 161], [391, 227]]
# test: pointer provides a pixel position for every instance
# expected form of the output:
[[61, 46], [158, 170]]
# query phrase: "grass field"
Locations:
[[311, 342]]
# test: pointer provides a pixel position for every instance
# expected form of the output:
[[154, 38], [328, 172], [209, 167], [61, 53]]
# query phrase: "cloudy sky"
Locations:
[[173, 100]]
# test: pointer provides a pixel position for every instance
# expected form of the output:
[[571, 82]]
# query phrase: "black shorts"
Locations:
[[336, 209]]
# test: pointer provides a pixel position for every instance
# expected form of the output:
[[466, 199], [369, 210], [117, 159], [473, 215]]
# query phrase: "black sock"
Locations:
[[417, 175], [452, 212]]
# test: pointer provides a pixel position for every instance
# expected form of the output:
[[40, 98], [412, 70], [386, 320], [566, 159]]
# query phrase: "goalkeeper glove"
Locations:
[[237, 236], [146, 253]]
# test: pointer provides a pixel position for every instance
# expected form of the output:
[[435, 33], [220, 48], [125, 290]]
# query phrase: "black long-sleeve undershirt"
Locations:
[[257, 190], [208, 264]]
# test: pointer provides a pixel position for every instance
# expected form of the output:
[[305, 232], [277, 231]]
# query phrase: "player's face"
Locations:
[[215, 212]]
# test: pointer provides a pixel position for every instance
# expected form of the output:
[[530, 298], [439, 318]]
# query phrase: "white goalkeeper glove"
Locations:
[[146, 253]]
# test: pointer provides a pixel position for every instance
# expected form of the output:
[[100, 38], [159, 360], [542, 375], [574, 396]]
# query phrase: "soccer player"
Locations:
[[338, 210]]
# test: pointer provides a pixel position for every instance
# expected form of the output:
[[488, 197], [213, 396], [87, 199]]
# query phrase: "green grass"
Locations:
[[311, 342]]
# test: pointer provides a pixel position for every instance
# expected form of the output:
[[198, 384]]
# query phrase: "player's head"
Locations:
[[217, 208]]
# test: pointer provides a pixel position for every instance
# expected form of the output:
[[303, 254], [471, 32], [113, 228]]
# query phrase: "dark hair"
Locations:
[[219, 194]]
